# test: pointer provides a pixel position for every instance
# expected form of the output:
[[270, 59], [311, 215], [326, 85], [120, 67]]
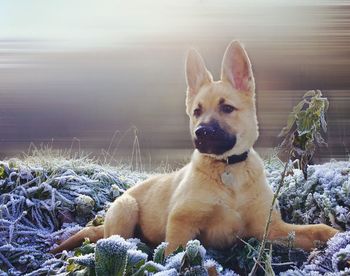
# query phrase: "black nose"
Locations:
[[211, 138], [205, 131]]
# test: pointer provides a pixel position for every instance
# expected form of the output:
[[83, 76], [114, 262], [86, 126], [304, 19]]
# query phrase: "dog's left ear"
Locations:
[[237, 69]]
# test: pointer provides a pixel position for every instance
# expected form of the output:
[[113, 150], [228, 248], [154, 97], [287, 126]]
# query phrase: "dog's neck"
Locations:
[[206, 160], [236, 158]]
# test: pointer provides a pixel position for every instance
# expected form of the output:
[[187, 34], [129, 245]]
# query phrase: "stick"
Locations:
[[268, 222]]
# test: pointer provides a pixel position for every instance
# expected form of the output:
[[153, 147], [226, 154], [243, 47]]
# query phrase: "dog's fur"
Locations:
[[194, 202]]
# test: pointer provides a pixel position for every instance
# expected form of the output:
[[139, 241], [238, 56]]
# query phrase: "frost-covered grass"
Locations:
[[46, 199], [323, 198], [42, 199]]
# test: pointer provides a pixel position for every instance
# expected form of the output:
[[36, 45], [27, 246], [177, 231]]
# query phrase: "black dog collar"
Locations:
[[233, 159]]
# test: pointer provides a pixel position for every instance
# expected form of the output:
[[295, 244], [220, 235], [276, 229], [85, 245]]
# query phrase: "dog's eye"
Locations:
[[226, 108], [197, 112]]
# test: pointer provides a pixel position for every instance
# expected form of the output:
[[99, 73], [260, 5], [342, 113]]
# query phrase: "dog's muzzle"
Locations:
[[211, 138]]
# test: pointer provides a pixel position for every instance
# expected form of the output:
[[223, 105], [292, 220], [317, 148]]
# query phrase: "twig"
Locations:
[[268, 222], [246, 243], [259, 264], [283, 264]]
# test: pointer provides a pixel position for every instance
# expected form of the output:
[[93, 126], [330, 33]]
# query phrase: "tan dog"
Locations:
[[222, 193]]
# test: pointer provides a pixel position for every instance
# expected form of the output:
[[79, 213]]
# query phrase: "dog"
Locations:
[[222, 193]]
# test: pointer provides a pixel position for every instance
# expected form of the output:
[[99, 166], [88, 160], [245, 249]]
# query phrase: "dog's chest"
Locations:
[[226, 220], [222, 226], [233, 180]]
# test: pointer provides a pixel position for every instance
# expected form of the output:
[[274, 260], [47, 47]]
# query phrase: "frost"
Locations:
[[229, 272], [84, 204], [194, 249], [136, 257], [319, 199], [111, 256], [159, 253], [175, 261], [85, 260], [196, 271], [42, 203], [333, 260], [211, 263], [169, 272]]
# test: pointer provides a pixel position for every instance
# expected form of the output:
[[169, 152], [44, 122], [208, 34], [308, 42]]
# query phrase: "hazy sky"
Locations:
[[87, 23], [93, 21]]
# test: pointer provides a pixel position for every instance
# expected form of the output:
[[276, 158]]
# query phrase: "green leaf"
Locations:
[[71, 266], [85, 260], [159, 253], [86, 248], [111, 256], [196, 271], [150, 267], [304, 123], [319, 140], [144, 248], [323, 122], [178, 250], [192, 255], [87, 271], [136, 259], [326, 104], [299, 107], [2, 172], [290, 122], [97, 221], [310, 93], [192, 249]]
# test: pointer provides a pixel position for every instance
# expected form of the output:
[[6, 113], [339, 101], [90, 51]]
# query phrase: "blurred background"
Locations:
[[85, 74]]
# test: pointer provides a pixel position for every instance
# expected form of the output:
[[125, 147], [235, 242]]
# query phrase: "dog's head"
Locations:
[[222, 113]]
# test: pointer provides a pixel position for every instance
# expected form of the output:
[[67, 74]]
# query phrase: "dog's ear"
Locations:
[[237, 69], [196, 73]]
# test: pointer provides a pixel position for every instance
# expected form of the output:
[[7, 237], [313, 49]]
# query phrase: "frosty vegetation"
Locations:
[[47, 200]]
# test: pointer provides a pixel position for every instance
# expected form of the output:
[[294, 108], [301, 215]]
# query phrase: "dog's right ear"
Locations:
[[237, 69], [196, 73]]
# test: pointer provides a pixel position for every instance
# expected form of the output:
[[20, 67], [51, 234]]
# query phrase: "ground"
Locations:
[[46, 199]]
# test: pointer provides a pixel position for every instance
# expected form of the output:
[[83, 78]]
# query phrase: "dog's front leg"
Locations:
[[180, 229], [306, 236]]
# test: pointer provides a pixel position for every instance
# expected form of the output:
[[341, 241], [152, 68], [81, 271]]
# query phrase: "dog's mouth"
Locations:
[[212, 139]]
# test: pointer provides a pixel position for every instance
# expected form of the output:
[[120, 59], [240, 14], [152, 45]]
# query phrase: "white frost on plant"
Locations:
[[169, 272], [38, 200], [136, 256], [319, 199], [175, 261]]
